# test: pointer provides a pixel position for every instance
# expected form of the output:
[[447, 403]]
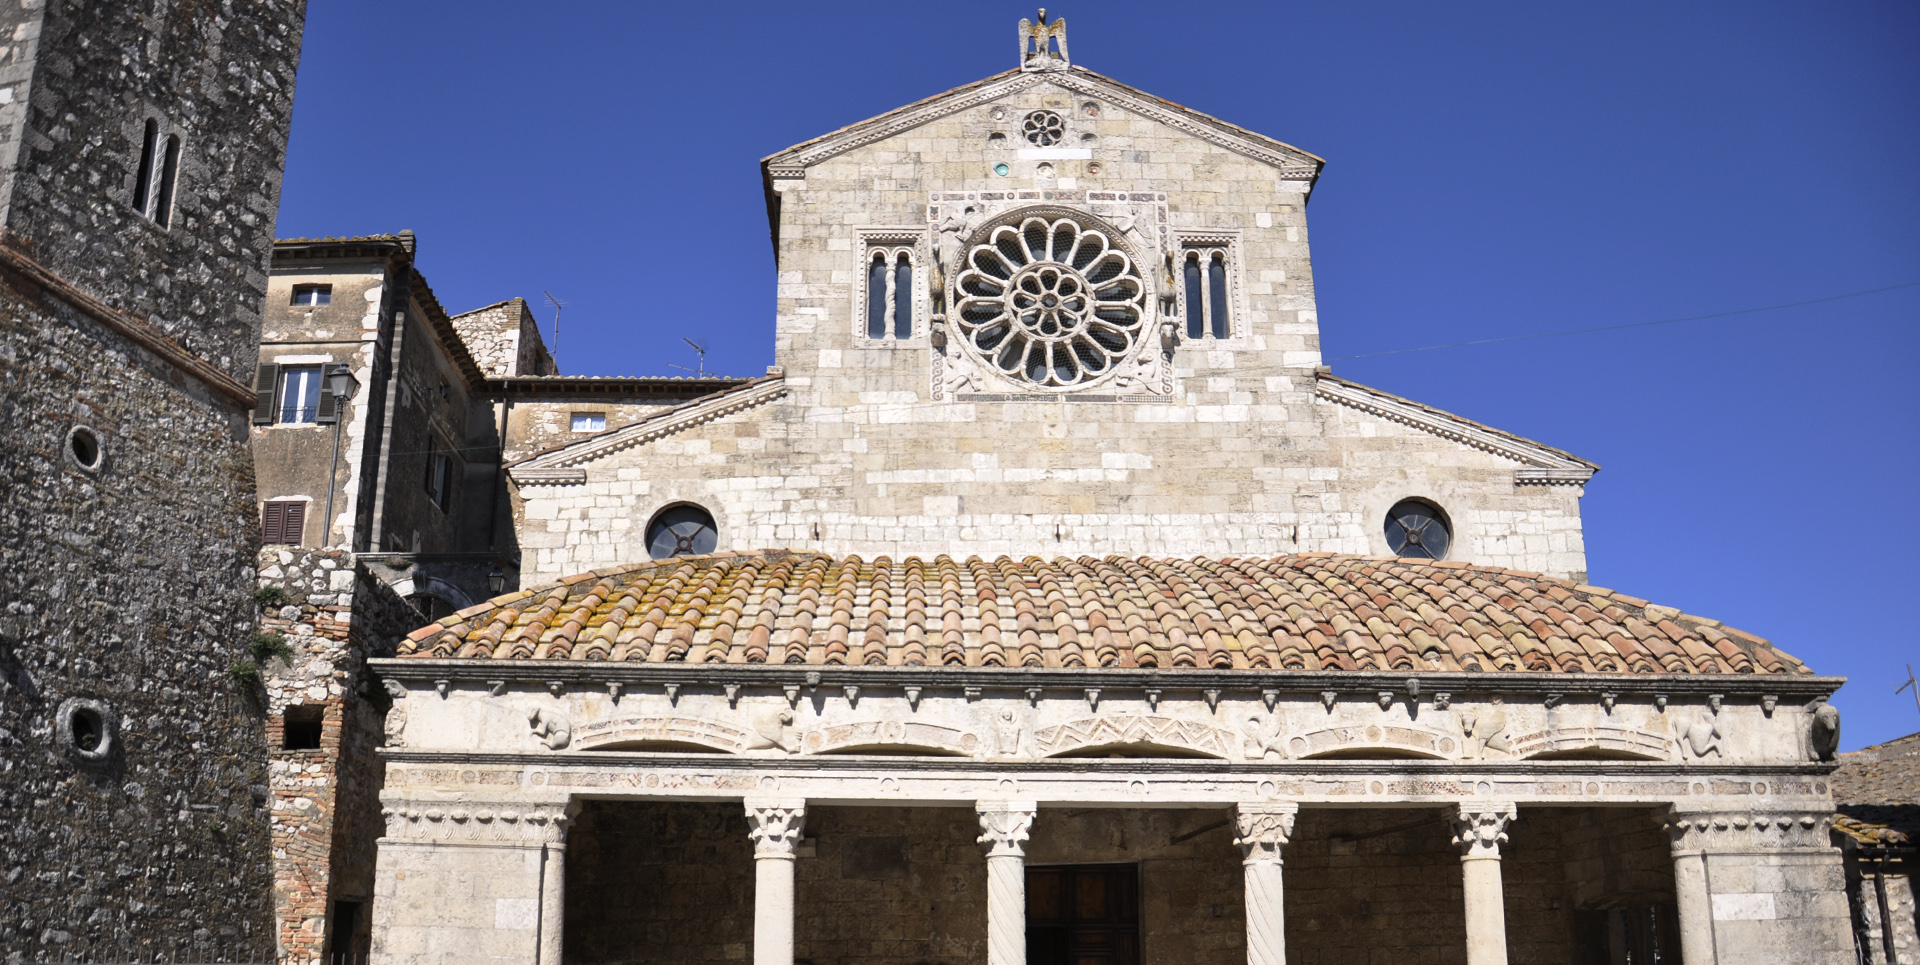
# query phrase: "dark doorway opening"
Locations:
[[1642, 935], [1083, 915]]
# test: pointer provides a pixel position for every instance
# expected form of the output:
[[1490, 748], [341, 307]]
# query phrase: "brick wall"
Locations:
[[326, 809]]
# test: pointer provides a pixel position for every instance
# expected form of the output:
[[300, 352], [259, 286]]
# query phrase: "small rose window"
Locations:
[[1044, 128]]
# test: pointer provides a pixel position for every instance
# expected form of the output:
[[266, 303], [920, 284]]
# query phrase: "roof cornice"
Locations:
[[1544, 464]]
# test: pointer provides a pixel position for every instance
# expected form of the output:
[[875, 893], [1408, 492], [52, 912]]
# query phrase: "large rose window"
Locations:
[[1051, 302]]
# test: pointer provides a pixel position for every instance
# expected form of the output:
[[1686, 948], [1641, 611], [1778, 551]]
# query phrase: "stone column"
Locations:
[[775, 827], [1261, 830], [1685, 835], [1479, 830], [553, 898], [1003, 829]]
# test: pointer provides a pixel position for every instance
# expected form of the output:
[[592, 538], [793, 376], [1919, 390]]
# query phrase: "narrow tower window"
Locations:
[[1208, 291], [143, 177], [169, 171], [877, 283], [902, 296], [888, 313]]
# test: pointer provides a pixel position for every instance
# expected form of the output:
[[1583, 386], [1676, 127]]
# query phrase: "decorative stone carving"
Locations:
[[1166, 731], [775, 827], [1701, 737], [1261, 830], [1747, 831], [1007, 734], [1004, 826], [395, 724], [478, 821], [551, 727], [1618, 738], [1327, 698], [1421, 741], [1487, 730], [1266, 739], [1824, 732], [872, 733], [672, 729], [952, 232], [770, 732], [1480, 829], [1036, 51], [1050, 302]]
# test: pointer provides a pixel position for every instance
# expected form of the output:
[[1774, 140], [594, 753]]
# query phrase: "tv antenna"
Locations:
[[554, 349], [699, 349], [1911, 684]]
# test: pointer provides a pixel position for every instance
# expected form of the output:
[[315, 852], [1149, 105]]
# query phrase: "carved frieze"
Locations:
[[478, 822], [1164, 731], [1349, 737], [879, 733], [1747, 831], [673, 729], [1613, 738]]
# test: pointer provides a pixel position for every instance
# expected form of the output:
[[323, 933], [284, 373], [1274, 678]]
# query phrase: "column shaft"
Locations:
[[1696, 909], [1479, 830], [553, 903], [776, 827], [1261, 830], [1003, 830]]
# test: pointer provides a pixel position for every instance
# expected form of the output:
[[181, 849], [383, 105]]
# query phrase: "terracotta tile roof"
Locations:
[[1314, 611], [1884, 774]]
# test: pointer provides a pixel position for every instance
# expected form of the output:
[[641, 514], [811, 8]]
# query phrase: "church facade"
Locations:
[[1107, 624]]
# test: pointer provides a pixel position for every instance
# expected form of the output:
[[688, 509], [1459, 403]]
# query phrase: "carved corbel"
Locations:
[[1768, 702], [1033, 696], [793, 695], [1212, 694], [1442, 700], [441, 686], [1714, 701], [1270, 697], [1153, 698], [913, 698], [1327, 699], [1607, 699], [1553, 699], [1385, 699], [558, 688], [733, 695], [853, 694], [613, 690], [1093, 698], [496, 687], [1659, 703], [673, 695]]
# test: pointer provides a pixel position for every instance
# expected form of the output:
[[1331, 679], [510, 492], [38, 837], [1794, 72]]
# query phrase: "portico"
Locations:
[[596, 811]]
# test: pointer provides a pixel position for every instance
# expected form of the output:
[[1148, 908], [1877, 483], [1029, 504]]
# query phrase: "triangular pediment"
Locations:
[[1540, 463], [1293, 163]]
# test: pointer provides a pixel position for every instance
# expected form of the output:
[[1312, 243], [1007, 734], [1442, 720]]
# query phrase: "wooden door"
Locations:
[[1083, 915]]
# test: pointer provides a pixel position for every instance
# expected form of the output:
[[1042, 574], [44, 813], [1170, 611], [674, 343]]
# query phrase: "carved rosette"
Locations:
[[477, 821], [1480, 829], [1004, 827], [1747, 831], [1261, 830], [776, 827]]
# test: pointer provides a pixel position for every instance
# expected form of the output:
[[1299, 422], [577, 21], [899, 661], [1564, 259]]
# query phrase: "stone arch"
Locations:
[[1373, 741], [1134, 736], [436, 587]]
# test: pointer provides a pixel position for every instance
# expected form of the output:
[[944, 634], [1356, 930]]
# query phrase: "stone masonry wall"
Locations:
[[221, 77], [504, 340], [128, 585], [326, 805]]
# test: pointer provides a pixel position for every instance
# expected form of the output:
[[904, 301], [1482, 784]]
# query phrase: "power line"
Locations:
[[1615, 328]]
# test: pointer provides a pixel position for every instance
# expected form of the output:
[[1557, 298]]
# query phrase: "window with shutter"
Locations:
[[299, 400], [265, 379], [283, 521]]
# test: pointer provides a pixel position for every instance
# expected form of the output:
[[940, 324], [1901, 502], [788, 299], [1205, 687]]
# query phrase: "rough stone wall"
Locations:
[[891, 885], [504, 339], [326, 805], [1869, 935], [1374, 886], [128, 585], [220, 76], [878, 449]]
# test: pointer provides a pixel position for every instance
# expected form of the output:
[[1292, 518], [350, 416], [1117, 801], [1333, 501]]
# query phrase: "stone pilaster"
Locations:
[[775, 827], [1004, 826], [1261, 830], [1758, 887], [433, 848], [1479, 830]]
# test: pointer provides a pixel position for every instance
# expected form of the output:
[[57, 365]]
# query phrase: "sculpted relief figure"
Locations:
[[954, 230], [1702, 736], [1487, 730], [770, 732], [1264, 739], [1007, 735], [551, 727]]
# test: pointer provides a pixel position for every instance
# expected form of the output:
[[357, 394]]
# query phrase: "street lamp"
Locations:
[[496, 581], [341, 385]]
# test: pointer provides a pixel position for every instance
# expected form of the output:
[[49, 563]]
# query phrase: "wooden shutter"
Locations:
[[327, 410], [264, 379], [283, 521], [272, 517], [293, 526]]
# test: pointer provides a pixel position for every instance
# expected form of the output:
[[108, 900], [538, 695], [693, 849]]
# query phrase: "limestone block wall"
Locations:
[[326, 809], [912, 445]]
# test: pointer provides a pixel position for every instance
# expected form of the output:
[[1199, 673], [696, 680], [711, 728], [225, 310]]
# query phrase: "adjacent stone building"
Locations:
[[1108, 624], [141, 149]]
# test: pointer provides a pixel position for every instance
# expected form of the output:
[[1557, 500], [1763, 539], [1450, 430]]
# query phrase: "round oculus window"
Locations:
[[1051, 302], [681, 531], [83, 448], [1043, 128], [1418, 530]]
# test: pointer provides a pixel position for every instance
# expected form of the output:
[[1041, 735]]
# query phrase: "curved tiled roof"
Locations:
[[1314, 611]]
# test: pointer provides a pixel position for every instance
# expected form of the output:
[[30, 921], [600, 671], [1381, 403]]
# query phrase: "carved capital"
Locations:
[[775, 827], [1261, 830], [1480, 829], [1693, 832], [1004, 826]]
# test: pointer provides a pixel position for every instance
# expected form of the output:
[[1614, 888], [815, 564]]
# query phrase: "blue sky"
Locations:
[[1493, 169]]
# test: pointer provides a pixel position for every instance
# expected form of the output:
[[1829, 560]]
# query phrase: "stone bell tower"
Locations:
[[141, 149]]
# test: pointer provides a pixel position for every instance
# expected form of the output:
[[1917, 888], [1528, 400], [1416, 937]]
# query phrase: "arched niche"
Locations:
[[663, 733], [1373, 742], [1177, 737]]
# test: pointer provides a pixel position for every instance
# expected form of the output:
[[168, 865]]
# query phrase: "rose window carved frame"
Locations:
[[1053, 299]]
